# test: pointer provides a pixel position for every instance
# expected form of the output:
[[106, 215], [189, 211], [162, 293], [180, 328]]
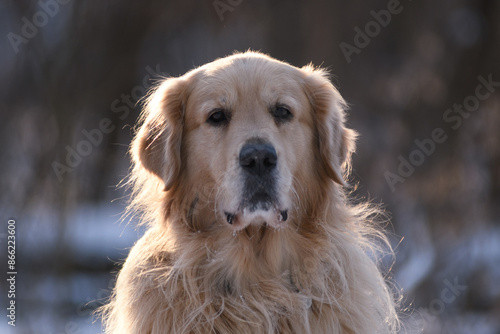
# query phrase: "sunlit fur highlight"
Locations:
[[314, 276]]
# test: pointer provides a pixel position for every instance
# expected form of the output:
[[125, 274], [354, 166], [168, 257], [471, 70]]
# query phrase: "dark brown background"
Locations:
[[90, 57]]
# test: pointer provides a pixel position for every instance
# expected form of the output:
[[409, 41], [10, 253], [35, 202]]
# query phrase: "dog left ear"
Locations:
[[336, 142], [157, 145]]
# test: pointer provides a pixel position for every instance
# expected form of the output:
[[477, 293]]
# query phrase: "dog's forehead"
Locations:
[[255, 79]]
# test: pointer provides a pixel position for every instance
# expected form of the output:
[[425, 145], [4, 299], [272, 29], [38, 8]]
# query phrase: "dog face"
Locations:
[[244, 137], [256, 129]]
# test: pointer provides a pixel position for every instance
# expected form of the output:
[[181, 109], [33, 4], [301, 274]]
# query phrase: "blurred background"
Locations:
[[422, 79]]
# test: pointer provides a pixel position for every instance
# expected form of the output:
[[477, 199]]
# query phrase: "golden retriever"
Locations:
[[238, 168]]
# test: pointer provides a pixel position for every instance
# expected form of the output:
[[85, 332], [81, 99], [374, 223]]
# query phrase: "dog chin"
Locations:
[[245, 217]]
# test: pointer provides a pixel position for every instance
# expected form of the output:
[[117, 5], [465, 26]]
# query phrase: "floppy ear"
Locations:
[[336, 142], [157, 144]]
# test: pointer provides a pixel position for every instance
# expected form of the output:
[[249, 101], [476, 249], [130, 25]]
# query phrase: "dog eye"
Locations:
[[218, 117], [282, 113]]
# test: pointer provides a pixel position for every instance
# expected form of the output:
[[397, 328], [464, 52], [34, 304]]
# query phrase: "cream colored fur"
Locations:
[[192, 272]]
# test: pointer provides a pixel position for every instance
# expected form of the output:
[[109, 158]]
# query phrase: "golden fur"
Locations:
[[193, 272]]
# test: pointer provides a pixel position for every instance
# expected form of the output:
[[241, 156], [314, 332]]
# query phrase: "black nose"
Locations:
[[258, 158]]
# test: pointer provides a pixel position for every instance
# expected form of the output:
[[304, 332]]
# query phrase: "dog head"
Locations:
[[243, 138]]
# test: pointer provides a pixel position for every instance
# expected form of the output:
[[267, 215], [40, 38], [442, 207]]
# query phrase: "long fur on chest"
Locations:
[[311, 278]]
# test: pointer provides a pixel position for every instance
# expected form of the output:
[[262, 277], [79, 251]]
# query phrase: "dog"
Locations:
[[239, 169]]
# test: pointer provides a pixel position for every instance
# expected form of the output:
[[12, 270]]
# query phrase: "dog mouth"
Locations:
[[272, 216], [231, 217]]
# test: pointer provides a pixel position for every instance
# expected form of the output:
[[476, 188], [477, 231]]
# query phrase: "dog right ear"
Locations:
[[336, 142], [157, 144]]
